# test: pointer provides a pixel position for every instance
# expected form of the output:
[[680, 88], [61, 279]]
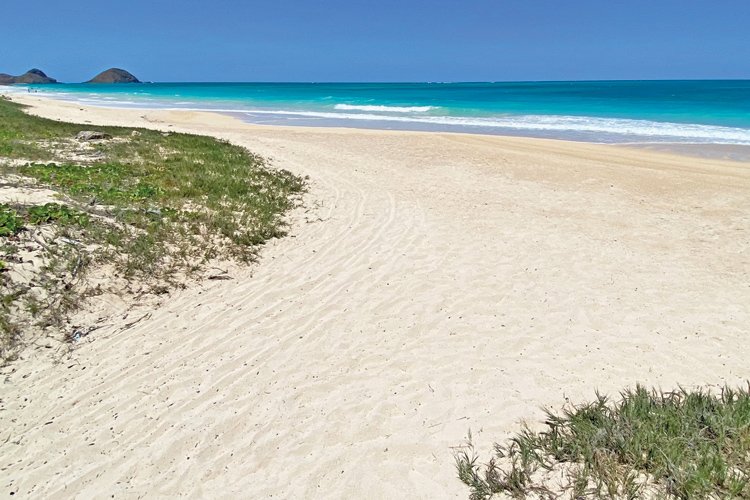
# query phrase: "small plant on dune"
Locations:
[[54, 212], [681, 444], [10, 222]]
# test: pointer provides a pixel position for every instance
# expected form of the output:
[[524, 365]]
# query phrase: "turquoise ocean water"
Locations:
[[704, 112]]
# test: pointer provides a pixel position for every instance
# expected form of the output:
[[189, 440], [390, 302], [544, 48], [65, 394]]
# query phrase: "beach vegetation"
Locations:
[[647, 443], [10, 222], [154, 206], [57, 213]]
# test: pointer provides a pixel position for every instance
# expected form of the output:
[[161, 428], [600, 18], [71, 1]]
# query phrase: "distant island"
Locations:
[[31, 76], [114, 75]]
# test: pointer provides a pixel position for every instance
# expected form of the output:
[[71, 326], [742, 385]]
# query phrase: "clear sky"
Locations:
[[379, 40]]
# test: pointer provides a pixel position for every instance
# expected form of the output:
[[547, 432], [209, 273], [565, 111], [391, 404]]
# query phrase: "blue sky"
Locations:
[[379, 40]]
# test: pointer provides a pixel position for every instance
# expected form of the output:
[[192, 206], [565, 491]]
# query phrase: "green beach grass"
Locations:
[[153, 206], [648, 444]]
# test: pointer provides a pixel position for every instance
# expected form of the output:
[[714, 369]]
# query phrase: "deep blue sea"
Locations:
[[705, 112]]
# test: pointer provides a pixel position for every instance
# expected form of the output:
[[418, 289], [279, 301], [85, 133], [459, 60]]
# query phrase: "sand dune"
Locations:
[[432, 284]]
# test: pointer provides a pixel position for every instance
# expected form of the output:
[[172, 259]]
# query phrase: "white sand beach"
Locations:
[[432, 284]]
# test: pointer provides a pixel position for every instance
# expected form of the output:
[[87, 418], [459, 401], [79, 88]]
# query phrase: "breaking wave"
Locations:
[[384, 109]]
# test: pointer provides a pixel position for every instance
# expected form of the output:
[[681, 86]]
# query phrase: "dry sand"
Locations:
[[443, 283]]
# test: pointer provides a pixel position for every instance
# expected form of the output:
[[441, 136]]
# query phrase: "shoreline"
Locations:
[[688, 144], [446, 282], [735, 153], [730, 152]]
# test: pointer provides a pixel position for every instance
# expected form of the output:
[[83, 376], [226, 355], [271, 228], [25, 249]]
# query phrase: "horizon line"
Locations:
[[436, 82]]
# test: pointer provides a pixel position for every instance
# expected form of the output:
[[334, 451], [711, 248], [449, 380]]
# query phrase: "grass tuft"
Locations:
[[680, 444]]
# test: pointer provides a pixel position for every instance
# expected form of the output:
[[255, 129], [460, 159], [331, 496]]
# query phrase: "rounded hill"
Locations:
[[114, 75]]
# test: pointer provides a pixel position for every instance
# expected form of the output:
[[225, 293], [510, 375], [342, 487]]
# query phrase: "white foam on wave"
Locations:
[[95, 101], [384, 109], [619, 126], [89, 99]]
